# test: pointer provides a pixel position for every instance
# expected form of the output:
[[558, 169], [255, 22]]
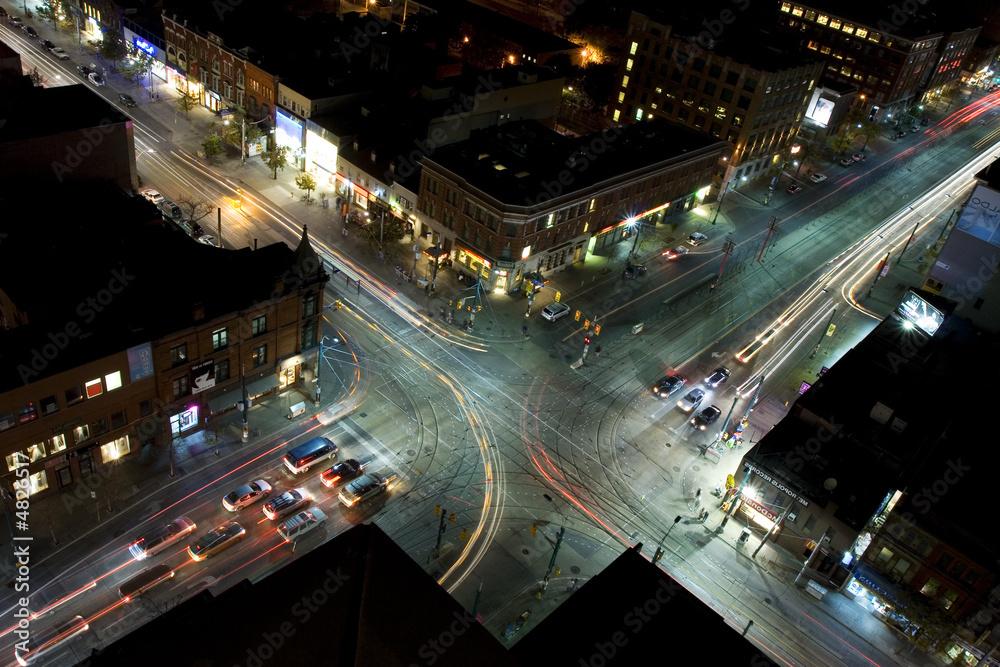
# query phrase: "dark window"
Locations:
[[309, 334], [27, 414], [118, 419], [727, 95], [181, 387], [744, 102], [259, 325], [750, 85], [178, 354], [99, 427], [709, 88], [676, 74], [146, 408], [683, 114], [944, 560], [732, 78], [6, 420], [220, 338], [221, 370], [259, 356], [511, 229], [693, 81], [64, 476], [715, 71], [958, 569], [309, 305], [74, 395], [86, 462], [48, 405]]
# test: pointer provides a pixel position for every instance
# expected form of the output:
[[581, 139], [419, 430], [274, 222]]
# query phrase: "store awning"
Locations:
[[225, 401], [258, 387]]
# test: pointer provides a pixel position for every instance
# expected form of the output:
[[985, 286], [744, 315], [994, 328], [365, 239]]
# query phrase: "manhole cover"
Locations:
[[410, 452], [575, 569], [428, 450], [767, 600], [364, 414], [525, 552]]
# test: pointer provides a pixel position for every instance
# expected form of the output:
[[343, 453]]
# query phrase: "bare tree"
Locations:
[[195, 208]]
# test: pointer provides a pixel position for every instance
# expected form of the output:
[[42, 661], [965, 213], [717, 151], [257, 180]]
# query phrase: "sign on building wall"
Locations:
[[203, 376], [140, 361]]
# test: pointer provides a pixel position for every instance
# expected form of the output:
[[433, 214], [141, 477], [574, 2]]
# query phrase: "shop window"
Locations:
[[884, 556], [309, 334], [900, 567], [118, 420], [145, 408], [221, 370], [27, 414], [220, 338], [6, 420], [16, 460], [57, 444], [81, 434], [181, 387], [259, 325], [930, 589], [115, 449], [64, 476], [113, 381], [309, 305], [178, 355], [74, 395], [86, 460], [259, 356], [36, 452], [49, 405], [33, 483]]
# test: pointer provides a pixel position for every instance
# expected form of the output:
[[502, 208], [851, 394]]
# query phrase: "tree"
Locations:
[[233, 130], [275, 160], [598, 84], [112, 48], [869, 131], [194, 208], [187, 102], [212, 145], [54, 11], [135, 65], [305, 181]]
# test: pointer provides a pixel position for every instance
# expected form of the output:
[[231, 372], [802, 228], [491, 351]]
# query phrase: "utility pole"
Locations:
[[725, 189], [659, 547], [775, 526], [908, 242], [243, 144], [587, 336], [218, 236], [727, 248], [732, 503], [475, 304], [552, 561], [319, 368], [475, 605], [437, 547], [822, 333], [812, 557], [772, 225], [883, 265], [245, 403], [381, 230], [725, 424]]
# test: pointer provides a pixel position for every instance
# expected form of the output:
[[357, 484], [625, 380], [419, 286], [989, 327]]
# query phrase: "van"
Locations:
[[143, 581], [299, 459], [302, 523]]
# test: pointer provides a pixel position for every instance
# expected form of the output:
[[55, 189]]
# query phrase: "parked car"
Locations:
[[691, 400], [706, 417], [674, 253], [212, 543], [847, 162], [246, 494], [96, 79], [900, 135], [126, 100], [208, 239], [85, 71], [858, 157], [286, 503], [555, 310], [924, 122], [697, 239], [14, 21], [29, 31], [718, 376], [46, 44], [172, 209], [341, 473], [817, 178], [152, 195], [792, 189], [633, 271], [668, 385], [915, 129], [3, 12], [59, 53]]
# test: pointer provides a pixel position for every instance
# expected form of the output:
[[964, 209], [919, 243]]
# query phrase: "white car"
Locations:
[[817, 178], [152, 195], [96, 79], [59, 53], [554, 311], [697, 239], [208, 239], [246, 494]]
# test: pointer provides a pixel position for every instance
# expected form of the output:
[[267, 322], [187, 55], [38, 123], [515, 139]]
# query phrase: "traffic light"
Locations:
[[533, 529], [586, 324], [451, 519], [437, 510], [339, 303], [597, 330], [577, 316], [586, 340], [461, 302], [464, 534]]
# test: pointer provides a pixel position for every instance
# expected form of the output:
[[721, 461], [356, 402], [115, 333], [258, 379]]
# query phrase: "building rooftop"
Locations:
[[37, 112], [519, 162], [108, 264], [530, 38]]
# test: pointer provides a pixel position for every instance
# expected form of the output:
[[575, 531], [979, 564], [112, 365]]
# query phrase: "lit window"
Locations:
[[848, 28], [628, 65], [797, 11], [822, 19], [625, 81], [16, 460], [835, 24], [220, 338], [115, 449], [617, 114], [930, 589], [93, 388], [57, 443], [635, 47], [36, 452], [638, 114], [259, 356], [621, 97], [786, 7], [81, 433], [33, 483], [113, 381]]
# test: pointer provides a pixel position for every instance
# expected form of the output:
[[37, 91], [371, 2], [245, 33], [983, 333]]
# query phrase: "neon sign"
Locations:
[[145, 46]]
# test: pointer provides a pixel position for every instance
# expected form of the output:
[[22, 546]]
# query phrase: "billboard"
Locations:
[[203, 376], [981, 217], [821, 112], [919, 313], [140, 361]]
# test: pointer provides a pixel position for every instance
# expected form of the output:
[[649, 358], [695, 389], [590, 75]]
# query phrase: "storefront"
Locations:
[[288, 134], [321, 159], [184, 420], [478, 266], [875, 593]]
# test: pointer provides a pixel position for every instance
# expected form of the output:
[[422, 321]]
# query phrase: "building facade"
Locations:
[[202, 65]]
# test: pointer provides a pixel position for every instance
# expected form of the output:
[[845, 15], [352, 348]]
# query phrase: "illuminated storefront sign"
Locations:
[[144, 46], [760, 509], [321, 155], [288, 132], [777, 484], [462, 251]]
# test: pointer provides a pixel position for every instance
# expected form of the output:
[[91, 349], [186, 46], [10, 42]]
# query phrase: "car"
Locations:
[[172, 209], [718, 376], [706, 417], [697, 239], [152, 195], [302, 523], [29, 31], [59, 53], [286, 503], [668, 385], [858, 157], [160, 538], [924, 122], [42, 643], [246, 494], [341, 473], [367, 487], [192, 229], [212, 543], [14, 21], [46, 44], [84, 70], [208, 239], [127, 100], [900, 135], [792, 189], [555, 310], [817, 178], [847, 162], [96, 79], [674, 253], [915, 129], [633, 271], [692, 400]]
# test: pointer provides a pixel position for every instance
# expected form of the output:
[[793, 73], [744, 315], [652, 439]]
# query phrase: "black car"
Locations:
[[668, 385], [718, 376], [341, 473], [925, 122], [900, 135], [46, 44], [126, 100], [706, 418], [29, 31], [84, 71], [633, 271]]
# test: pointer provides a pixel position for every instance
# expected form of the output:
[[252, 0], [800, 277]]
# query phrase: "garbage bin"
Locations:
[[637, 329]]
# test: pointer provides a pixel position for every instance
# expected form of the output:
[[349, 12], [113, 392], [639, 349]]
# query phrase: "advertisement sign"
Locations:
[[144, 46], [821, 112], [921, 314], [981, 217], [140, 361], [203, 376], [288, 131]]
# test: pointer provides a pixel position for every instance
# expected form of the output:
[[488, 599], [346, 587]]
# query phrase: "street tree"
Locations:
[[186, 102], [55, 12], [305, 181], [135, 64], [275, 160], [194, 208], [233, 131], [869, 131], [212, 145], [112, 48]]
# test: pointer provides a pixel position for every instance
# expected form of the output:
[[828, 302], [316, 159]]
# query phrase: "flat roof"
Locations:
[[481, 18], [36, 112]]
